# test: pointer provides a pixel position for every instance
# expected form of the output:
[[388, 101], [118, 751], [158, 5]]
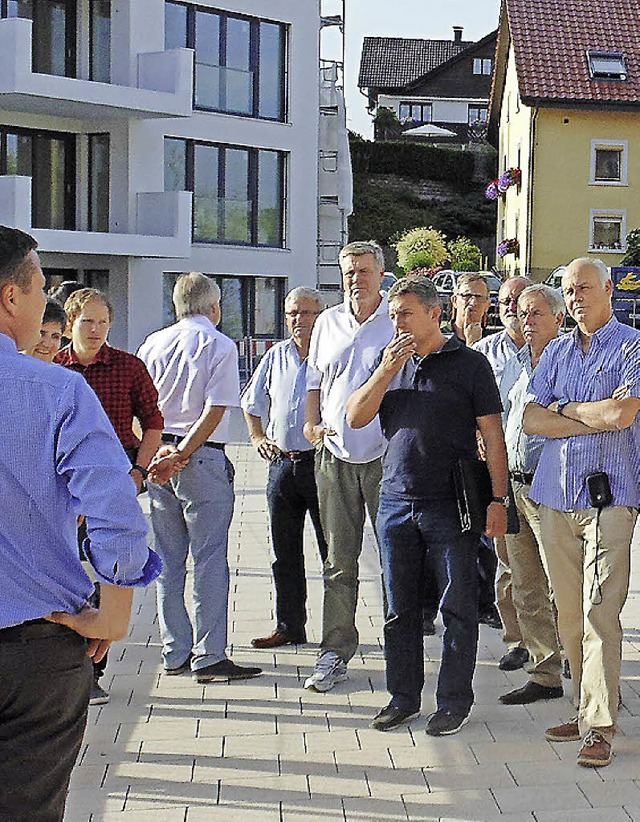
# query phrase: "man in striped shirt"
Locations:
[[585, 397]]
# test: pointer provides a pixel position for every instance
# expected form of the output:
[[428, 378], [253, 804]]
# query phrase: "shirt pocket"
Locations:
[[604, 383]]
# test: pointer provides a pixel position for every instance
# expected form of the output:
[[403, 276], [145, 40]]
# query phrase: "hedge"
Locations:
[[415, 161]]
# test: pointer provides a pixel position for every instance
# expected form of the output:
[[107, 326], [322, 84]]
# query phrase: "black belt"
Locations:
[[520, 476], [299, 456], [33, 629], [175, 439]]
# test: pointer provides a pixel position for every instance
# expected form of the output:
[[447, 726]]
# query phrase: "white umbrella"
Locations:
[[429, 130]]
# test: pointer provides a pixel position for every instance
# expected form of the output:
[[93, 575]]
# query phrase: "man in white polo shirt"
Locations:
[[345, 345]]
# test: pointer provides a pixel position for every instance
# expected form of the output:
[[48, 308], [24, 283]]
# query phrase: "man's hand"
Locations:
[[472, 330], [496, 520], [267, 449], [316, 433], [398, 352], [167, 462]]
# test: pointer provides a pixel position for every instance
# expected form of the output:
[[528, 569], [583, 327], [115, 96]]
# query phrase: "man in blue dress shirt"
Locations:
[[585, 397], [60, 457], [278, 390]]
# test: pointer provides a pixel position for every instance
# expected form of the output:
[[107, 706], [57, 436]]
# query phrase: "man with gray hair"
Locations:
[[278, 391], [195, 369], [344, 346], [584, 401], [540, 314]]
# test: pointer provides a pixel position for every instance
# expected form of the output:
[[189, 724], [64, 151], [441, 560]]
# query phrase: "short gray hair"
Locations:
[[600, 267], [357, 249], [302, 292], [471, 277], [553, 297], [422, 287], [194, 293]]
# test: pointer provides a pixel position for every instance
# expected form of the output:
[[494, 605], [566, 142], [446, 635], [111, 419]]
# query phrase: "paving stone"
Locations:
[[539, 798]]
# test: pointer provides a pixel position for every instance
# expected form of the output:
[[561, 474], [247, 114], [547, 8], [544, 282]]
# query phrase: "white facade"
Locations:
[[150, 98], [443, 109]]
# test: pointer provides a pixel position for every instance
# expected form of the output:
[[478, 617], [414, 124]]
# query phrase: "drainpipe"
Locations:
[[532, 145]]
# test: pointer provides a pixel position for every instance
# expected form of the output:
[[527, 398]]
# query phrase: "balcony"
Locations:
[[162, 225], [165, 84]]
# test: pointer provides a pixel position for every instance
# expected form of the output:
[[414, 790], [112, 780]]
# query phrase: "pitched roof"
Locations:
[[392, 62], [551, 39]]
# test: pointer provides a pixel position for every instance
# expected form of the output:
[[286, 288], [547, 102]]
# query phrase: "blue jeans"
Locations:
[[291, 492], [417, 537], [192, 514]]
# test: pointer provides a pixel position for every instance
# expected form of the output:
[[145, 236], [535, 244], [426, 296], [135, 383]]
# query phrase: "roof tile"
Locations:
[[392, 62]]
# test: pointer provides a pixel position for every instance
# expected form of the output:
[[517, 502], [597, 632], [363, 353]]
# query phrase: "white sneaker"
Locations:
[[329, 670]]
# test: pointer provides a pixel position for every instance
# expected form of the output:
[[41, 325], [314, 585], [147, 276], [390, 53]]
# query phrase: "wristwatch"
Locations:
[[562, 404], [501, 500], [142, 471]]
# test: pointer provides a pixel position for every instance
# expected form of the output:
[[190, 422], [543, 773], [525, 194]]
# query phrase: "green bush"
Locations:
[[421, 248], [464, 255], [632, 257]]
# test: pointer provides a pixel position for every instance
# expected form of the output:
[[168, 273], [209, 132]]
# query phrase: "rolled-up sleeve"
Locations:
[[223, 388], [255, 397], [144, 399]]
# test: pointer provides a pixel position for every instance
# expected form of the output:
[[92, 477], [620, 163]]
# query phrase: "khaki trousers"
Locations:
[[346, 491], [589, 626], [531, 595], [511, 636]]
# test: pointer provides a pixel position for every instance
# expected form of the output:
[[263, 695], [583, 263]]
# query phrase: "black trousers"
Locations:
[[291, 492], [45, 679]]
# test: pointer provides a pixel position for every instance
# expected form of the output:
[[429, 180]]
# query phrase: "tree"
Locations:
[[465, 256], [421, 248], [632, 257], [386, 123]]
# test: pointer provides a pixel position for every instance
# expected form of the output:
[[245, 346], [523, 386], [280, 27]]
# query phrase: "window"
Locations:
[[607, 65], [415, 112], [240, 62], [98, 182], [477, 114], [608, 231], [482, 65], [609, 162], [49, 159], [54, 33], [100, 41], [238, 193]]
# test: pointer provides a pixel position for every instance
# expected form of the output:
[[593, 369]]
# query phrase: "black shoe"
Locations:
[[225, 671], [531, 692], [428, 628], [186, 666], [514, 659], [392, 717], [490, 616], [445, 723], [98, 694], [566, 670]]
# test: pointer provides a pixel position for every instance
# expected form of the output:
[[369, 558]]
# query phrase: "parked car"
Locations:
[[555, 278], [388, 280], [445, 283]]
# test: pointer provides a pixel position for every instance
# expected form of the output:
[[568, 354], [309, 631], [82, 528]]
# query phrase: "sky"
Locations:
[[428, 19]]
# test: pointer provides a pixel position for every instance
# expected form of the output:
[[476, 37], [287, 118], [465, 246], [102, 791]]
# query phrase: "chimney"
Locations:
[[457, 34]]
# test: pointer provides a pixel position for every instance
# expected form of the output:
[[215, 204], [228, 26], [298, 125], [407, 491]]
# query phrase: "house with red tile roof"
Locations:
[[565, 118], [429, 83]]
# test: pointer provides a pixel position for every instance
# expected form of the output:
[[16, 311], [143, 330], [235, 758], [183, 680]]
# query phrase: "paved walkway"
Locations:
[[168, 750]]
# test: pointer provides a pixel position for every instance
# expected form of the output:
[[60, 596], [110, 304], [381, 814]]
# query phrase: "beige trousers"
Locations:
[[588, 613], [531, 595], [511, 636]]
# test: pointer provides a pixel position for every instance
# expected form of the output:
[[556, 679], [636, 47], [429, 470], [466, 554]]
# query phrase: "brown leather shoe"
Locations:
[[564, 733], [595, 751], [276, 640]]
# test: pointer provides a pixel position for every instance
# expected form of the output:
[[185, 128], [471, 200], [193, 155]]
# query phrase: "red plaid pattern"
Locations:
[[124, 388]]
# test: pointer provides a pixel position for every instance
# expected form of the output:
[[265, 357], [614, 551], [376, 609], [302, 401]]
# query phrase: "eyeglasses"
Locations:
[[301, 313], [508, 301], [467, 297]]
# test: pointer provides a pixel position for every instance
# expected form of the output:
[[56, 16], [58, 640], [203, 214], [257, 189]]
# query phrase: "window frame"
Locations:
[[482, 66], [594, 54], [611, 214], [70, 44], [413, 104], [254, 57], [479, 108], [609, 145]]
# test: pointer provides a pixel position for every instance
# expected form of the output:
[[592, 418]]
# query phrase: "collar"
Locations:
[[603, 335], [383, 308], [451, 343], [104, 356], [196, 321], [7, 343]]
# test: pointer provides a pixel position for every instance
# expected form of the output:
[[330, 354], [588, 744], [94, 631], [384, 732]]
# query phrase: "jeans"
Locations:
[[416, 537], [44, 695], [291, 492], [191, 514]]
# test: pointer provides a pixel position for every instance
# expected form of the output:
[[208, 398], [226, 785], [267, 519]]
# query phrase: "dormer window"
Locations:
[[607, 65]]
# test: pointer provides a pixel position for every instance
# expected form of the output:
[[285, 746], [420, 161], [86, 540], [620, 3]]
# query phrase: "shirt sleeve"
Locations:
[[223, 387], [540, 387], [486, 397], [314, 374], [631, 367], [255, 397], [144, 398], [92, 462]]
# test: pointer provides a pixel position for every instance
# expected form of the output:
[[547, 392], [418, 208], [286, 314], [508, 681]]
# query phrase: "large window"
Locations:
[[98, 182], [238, 193], [49, 159], [415, 112], [54, 33], [609, 162], [100, 41], [477, 114], [240, 62]]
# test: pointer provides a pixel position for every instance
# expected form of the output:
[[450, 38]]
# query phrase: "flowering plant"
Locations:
[[511, 246], [492, 192], [510, 177]]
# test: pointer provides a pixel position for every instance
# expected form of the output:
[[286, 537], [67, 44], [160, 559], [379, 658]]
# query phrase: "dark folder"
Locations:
[[474, 494]]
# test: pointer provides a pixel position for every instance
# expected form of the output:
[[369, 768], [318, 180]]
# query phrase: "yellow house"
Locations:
[[565, 111]]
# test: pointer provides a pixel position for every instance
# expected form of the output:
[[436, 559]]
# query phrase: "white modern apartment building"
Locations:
[[144, 138]]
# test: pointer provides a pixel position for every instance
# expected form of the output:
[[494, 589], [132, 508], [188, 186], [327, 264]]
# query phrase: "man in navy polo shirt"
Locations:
[[431, 393]]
